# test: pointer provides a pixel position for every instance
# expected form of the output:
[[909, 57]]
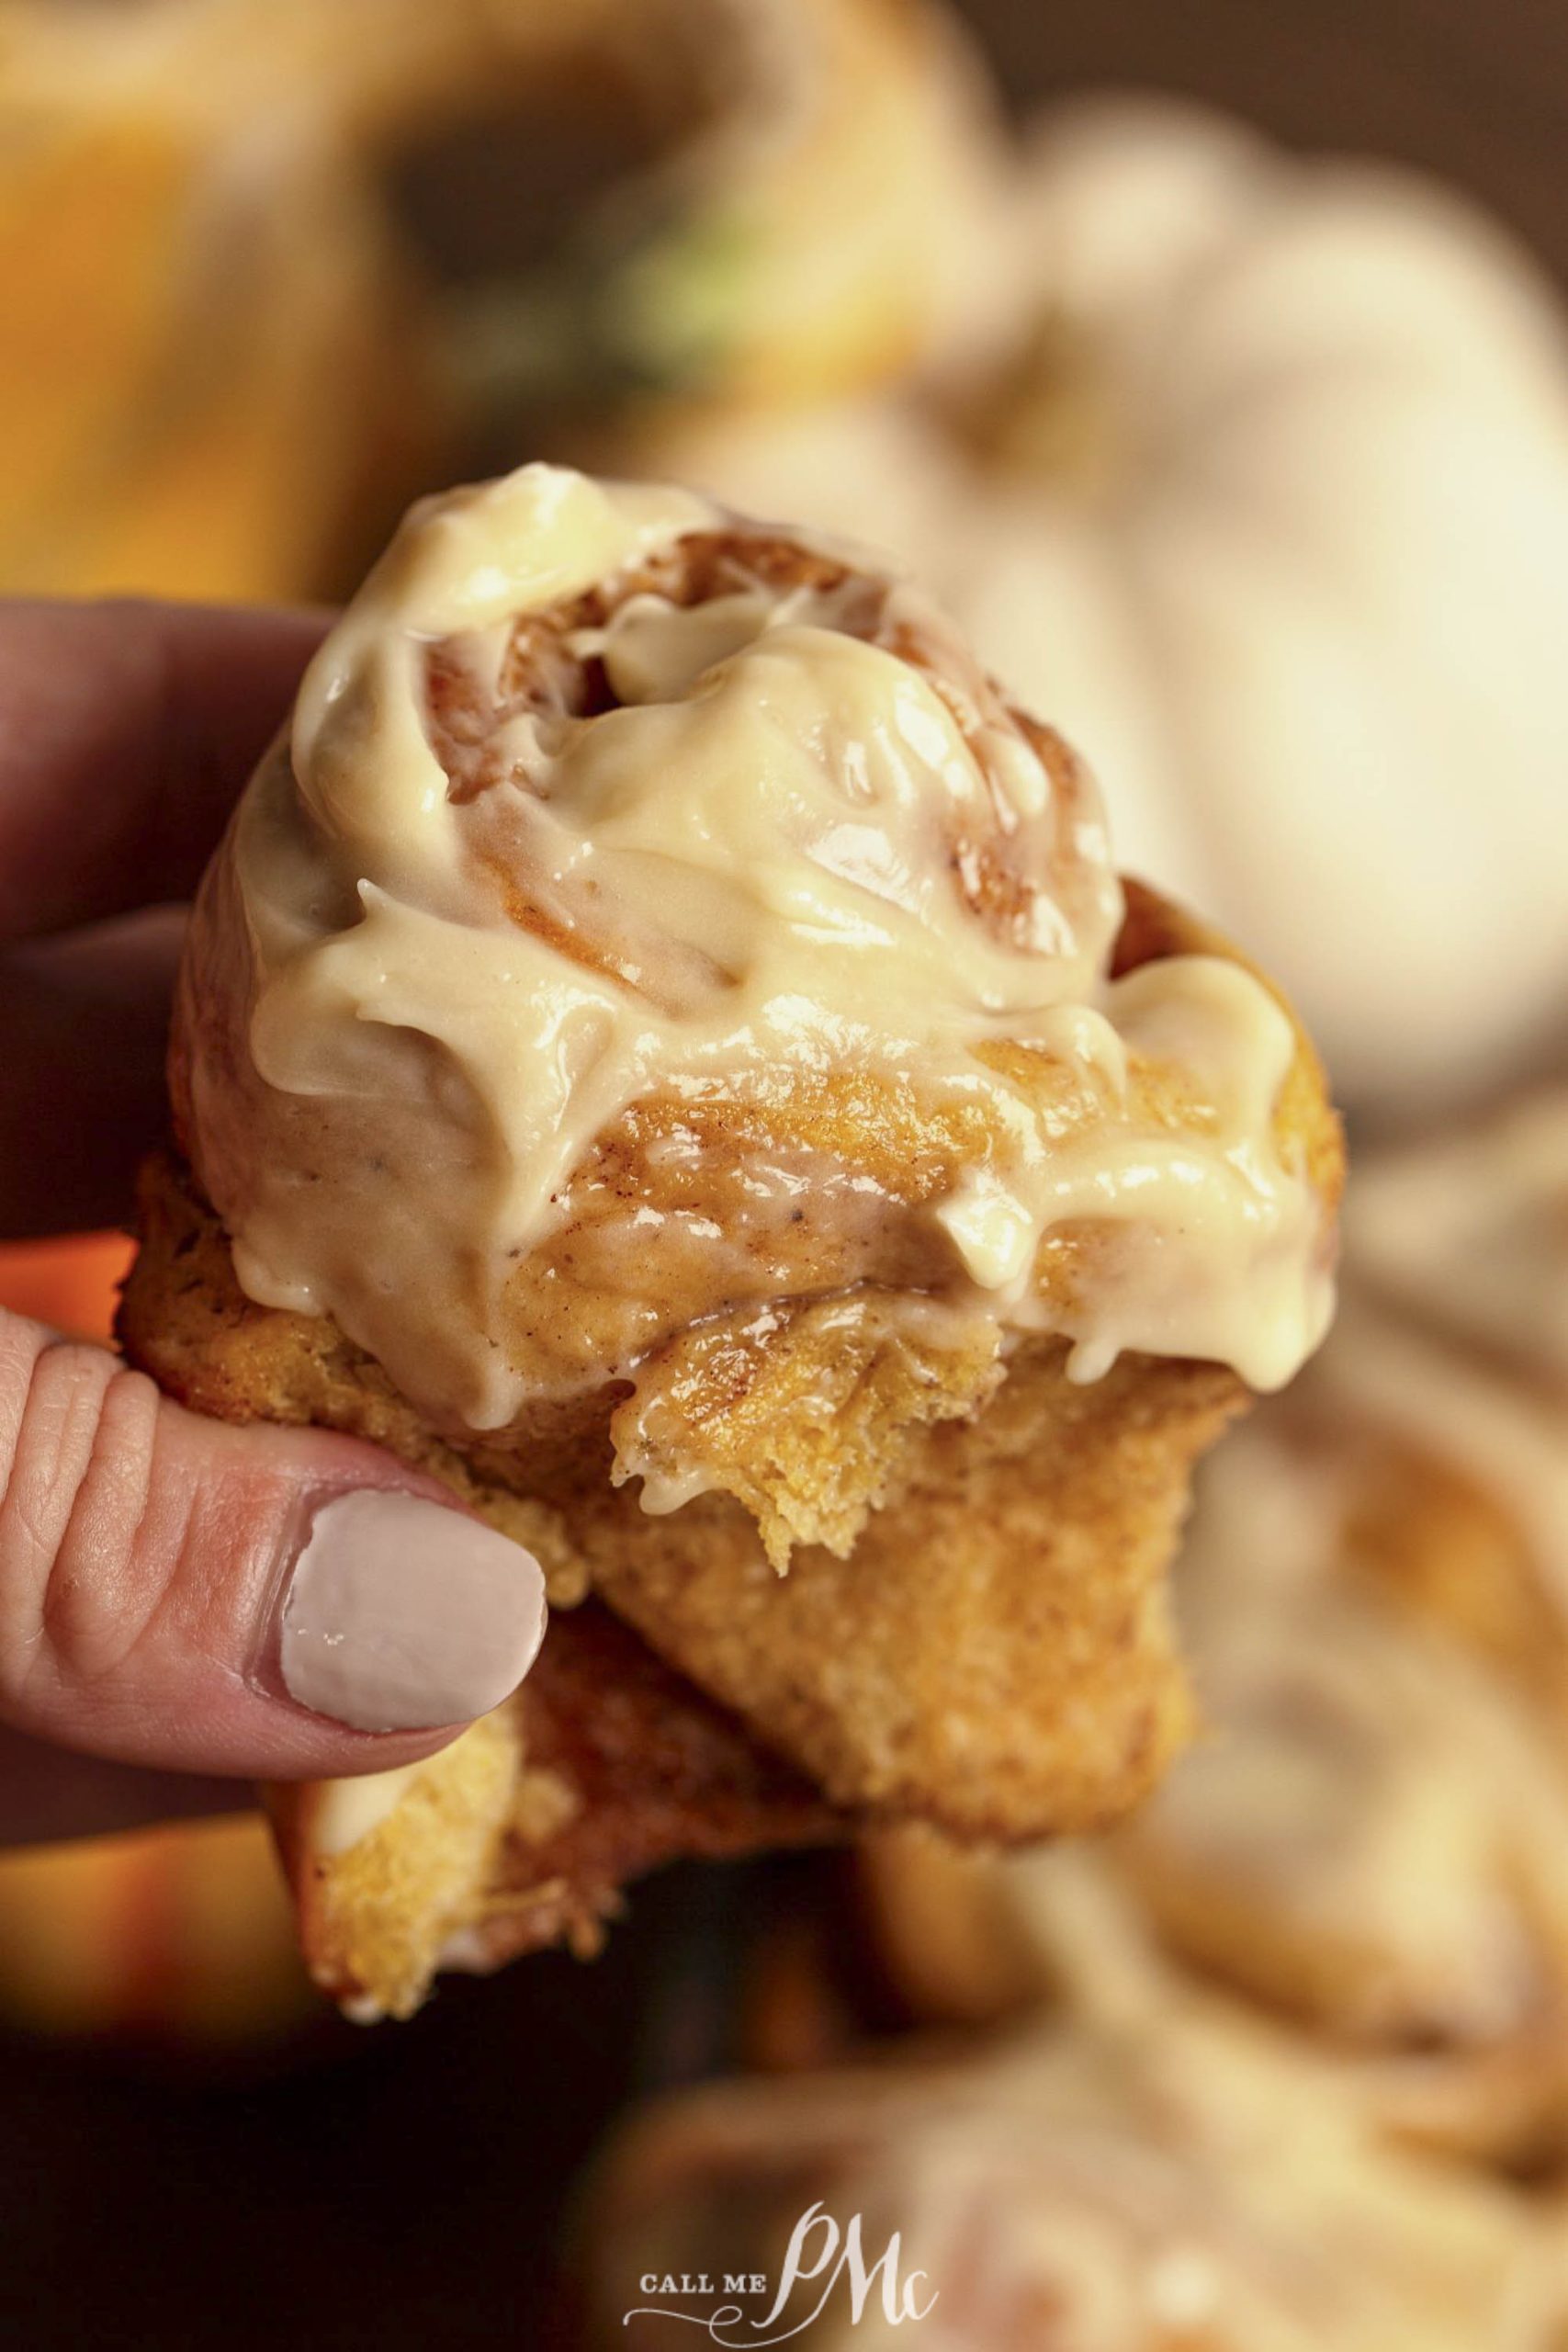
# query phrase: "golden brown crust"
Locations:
[[994, 1655], [602, 1766]]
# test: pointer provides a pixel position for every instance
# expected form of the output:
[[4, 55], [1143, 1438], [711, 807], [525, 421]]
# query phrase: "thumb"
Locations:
[[275, 1604]]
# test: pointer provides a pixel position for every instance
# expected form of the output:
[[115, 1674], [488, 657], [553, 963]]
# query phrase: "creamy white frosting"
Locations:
[[346, 1812], [768, 857]]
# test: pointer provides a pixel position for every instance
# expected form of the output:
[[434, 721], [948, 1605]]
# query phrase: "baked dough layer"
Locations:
[[992, 1655]]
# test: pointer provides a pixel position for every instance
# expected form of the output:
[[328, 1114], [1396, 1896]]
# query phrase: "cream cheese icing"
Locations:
[[440, 955]]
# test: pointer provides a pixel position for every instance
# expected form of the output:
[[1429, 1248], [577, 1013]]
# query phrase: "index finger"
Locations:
[[127, 728]]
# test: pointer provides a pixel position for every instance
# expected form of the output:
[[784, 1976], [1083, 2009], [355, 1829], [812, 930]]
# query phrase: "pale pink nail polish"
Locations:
[[401, 1615]]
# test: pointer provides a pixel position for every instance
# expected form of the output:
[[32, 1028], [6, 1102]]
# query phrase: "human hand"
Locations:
[[147, 1555]]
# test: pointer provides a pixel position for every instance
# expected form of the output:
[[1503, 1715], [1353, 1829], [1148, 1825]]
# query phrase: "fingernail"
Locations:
[[401, 1614]]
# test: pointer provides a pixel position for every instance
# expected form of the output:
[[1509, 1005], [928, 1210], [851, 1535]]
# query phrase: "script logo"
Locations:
[[818, 2257]]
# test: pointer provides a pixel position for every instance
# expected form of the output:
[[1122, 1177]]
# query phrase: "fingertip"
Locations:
[[156, 1614], [400, 1612]]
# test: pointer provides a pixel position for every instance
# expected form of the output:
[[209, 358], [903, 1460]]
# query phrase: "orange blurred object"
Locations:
[[70, 1283], [203, 334], [168, 1936]]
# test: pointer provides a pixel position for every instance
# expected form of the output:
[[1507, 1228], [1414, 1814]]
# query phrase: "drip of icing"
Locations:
[[348, 1811]]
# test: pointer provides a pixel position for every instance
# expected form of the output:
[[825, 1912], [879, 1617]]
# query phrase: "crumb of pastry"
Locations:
[[805, 1437], [523, 1832], [375, 1915]]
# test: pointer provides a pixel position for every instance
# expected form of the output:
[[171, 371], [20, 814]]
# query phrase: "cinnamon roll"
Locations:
[[1099, 2186], [663, 1045]]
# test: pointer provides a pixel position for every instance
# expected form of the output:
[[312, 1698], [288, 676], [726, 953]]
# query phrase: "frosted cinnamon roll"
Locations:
[[709, 204], [1099, 2187], [662, 1044]]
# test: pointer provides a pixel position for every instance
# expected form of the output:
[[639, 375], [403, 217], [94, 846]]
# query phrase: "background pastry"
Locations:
[[214, 388], [1099, 2186]]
